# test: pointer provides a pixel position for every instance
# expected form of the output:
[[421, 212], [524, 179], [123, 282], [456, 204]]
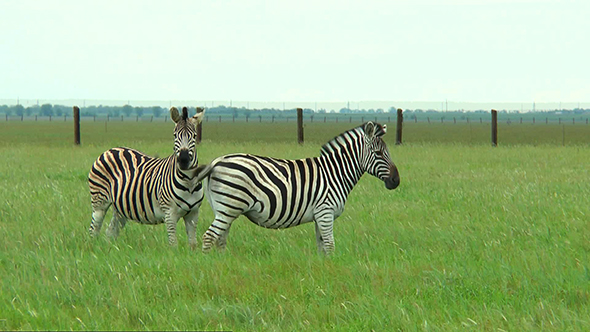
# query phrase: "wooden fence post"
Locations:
[[494, 128], [300, 126], [398, 132], [76, 125], [199, 126]]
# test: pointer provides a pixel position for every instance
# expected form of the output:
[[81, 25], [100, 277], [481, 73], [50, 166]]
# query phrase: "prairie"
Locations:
[[474, 237]]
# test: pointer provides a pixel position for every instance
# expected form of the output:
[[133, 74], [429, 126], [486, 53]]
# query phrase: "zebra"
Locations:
[[278, 193], [150, 190]]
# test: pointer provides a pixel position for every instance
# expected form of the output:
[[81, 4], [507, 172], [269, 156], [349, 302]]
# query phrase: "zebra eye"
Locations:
[[379, 153]]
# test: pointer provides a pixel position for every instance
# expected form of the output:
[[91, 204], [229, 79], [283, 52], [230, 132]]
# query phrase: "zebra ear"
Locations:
[[174, 114], [369, 129], [198, 118]]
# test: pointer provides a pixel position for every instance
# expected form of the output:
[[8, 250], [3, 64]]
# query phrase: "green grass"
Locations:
[[474, 237]]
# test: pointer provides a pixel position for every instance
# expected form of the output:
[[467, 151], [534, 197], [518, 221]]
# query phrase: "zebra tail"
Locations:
[[203, 171]]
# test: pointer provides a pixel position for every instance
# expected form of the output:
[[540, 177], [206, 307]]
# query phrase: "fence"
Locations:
[[319, 118], [471, 125]]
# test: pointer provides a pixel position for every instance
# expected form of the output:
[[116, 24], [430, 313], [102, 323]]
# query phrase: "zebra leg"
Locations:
[[190, 223], [98, 213], [171, 228], [222, 241], [325, 228], [217, 232], [318, 239], [117, 222]]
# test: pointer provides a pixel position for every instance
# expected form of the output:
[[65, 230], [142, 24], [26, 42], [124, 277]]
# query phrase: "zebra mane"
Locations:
[[354, 133], [332, 144], [184, 113]]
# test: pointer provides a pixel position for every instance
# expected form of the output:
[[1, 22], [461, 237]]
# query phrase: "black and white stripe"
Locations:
[[278, 193], [150, 190]]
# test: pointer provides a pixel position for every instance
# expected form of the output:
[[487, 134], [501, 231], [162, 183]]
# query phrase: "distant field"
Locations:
[[474, 237]]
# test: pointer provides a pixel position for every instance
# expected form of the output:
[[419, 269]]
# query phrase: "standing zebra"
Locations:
[[278, 193], [150, 190]]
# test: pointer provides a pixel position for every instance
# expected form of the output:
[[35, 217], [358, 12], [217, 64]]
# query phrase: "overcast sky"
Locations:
[[478, 51]]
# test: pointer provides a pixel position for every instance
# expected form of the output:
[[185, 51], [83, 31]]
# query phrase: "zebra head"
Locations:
[[377, 161], [185, 134]]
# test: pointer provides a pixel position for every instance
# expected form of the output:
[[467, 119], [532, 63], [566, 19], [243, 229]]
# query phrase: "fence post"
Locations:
[[76, 125], [260, 118], [398, 132], [300, 126], [415, 119], [35, 118], [442, 119], [494, 128], [21, 118], [273, 119], [199, 126], [220, 119], [324, 119], [454, 120], [152, 119], [480, 120], [50, 118]]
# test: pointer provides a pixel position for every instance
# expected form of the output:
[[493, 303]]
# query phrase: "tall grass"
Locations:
[[474, 237]]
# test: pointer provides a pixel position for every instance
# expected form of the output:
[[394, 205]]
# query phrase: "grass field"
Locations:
[[475, 237]]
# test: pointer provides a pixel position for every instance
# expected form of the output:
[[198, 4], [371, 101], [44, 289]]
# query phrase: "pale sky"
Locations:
[[302, 51]]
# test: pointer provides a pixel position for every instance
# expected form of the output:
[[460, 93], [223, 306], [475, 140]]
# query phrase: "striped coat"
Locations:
[[149, 190], [279, 193]]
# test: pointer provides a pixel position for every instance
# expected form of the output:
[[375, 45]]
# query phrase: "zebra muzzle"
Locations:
[[183, 159], [393, 180]]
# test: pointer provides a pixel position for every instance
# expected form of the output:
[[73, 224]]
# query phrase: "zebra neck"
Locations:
[[342, 169], [184, 176]]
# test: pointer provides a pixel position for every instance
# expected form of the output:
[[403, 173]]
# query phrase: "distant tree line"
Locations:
[[242, 112]]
